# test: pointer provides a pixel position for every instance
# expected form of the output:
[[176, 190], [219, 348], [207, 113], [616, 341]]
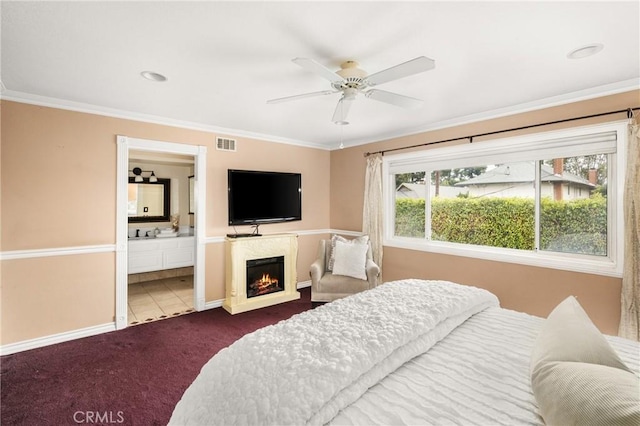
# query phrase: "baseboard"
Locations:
[[218, 303], [39, 342], [213, 304], [304, 284]]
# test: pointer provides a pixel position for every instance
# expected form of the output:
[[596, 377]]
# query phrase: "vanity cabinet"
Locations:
[[157, 254]]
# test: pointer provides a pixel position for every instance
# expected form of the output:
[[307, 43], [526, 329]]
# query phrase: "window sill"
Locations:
[[565, 262]]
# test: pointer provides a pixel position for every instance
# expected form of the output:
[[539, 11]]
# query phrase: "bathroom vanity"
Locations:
[[156, 254]]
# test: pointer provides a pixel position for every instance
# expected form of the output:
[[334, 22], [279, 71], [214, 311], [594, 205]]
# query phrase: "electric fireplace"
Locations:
[[260, 271], [265, 276]]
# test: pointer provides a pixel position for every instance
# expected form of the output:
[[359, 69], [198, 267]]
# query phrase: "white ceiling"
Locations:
[[224, 60]]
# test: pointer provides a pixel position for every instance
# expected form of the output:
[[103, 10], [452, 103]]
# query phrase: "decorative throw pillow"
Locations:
[[569, 335], [577, 377], [579, 393], [350, 260], [364, 239]]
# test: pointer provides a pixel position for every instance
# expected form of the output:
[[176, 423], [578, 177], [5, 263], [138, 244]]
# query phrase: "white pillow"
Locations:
[[350, 260], [577, 377], [569, 335], [363, 239], [580, 393]]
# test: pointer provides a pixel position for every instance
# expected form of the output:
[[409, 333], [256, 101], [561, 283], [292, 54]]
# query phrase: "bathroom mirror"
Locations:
[[149, 201]]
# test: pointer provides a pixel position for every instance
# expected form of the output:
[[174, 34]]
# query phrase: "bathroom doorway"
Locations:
[[161, 243], [160, 251]]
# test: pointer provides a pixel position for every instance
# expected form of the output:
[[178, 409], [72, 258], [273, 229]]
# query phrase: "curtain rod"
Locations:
[[629, 112]]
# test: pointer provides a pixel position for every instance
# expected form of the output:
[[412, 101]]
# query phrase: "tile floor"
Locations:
[[155, 300]]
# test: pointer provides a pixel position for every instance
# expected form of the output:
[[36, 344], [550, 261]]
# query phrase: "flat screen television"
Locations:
[[257, 197]]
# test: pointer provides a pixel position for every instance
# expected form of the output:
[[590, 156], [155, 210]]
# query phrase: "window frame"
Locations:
[[504, 150]]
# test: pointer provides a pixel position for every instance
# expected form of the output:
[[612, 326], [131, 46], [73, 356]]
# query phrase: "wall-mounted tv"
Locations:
[[257, 197]]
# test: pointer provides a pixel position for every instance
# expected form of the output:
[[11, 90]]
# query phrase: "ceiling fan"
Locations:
[[351, 81]]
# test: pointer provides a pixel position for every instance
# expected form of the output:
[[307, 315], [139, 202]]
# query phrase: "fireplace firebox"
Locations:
[[265, 276]]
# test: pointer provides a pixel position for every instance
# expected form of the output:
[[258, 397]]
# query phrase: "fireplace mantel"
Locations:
[[239, 251]]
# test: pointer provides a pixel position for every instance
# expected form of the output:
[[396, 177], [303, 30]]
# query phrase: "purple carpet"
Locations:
[[131, 377]]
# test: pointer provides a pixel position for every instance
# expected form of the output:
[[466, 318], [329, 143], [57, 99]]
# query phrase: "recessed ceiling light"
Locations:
[[584, 51], [153, 76]]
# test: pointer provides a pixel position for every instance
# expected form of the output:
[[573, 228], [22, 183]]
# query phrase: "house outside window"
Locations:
[[551, 199]]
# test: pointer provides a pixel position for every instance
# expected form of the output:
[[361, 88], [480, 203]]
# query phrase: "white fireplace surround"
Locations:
[[239, 250]]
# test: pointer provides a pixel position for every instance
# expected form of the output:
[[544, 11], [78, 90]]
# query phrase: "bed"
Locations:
[[408, 352]]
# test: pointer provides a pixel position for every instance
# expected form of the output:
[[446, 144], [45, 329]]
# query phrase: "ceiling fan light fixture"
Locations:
[[349, 69], [585, 51]]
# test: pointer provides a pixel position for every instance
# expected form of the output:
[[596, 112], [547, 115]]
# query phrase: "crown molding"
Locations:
[[45, 101], [567, 98]]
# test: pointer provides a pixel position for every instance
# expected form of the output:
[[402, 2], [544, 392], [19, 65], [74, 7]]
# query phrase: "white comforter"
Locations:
[[308, 368], [478, 375]]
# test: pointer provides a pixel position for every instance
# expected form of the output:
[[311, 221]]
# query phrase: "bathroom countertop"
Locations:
[[161, 238]]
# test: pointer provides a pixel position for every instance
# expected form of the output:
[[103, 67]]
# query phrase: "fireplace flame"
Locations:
[[264, 285], [266, 281]]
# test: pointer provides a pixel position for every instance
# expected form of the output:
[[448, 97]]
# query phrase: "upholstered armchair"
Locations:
[[342, 269]]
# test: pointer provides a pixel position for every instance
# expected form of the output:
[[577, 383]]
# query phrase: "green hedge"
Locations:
[[577, 226]]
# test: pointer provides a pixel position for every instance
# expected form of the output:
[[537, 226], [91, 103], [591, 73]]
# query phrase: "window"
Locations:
[[576, 223], [549, 199]]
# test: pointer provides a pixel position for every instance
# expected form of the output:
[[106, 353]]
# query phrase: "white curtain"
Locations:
[[630, 315], [372, 209]]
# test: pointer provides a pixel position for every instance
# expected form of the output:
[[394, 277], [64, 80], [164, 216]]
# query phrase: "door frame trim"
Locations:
[[124, 144]]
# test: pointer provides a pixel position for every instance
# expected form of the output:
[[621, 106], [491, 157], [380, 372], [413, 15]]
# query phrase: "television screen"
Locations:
[[264, 197]]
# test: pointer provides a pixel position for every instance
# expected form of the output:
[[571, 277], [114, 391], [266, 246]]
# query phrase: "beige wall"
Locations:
[[524, 288], [50, 295], [519, 287], [58, 190], [58, 178]]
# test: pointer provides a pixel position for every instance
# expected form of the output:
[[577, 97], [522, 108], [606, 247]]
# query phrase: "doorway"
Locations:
[[129, 150], [161, 236]]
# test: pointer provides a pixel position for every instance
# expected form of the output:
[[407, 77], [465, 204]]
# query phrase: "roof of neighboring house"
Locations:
[[418, 190], [523, 172]]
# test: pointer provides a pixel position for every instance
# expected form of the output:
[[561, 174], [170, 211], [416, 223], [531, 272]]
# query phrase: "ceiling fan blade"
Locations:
[[321, 70], [304, 95], [342, 109], [394, 99], [414, 66]]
